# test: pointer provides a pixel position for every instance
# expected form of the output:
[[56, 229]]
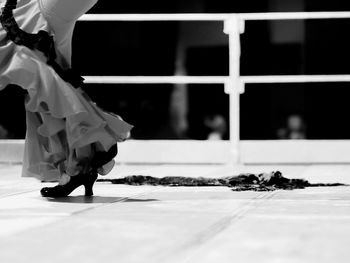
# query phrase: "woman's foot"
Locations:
[[74, 182]]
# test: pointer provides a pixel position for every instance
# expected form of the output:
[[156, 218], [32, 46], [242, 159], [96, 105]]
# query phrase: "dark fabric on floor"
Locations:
[[243, 182]]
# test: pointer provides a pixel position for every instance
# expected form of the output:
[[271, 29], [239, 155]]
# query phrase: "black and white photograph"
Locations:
[[178, 131]]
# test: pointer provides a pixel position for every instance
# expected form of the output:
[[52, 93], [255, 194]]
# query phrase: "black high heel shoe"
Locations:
[[87, 180]]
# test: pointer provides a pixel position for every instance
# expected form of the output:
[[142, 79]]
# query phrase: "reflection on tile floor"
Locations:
[[184, 224]]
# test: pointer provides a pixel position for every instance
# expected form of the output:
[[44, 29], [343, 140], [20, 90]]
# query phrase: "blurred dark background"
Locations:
[[268, 111]]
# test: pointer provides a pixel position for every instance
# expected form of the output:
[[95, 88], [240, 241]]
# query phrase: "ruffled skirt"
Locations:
[[65, 129]]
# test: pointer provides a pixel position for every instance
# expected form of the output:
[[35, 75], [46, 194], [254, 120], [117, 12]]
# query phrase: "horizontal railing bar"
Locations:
[[294, 15], [215, 17], [295, 78], [214, 79], [155, 17], [156, 79]]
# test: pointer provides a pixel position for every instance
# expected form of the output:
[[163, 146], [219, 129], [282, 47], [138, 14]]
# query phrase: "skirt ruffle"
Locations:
[[64, 127]]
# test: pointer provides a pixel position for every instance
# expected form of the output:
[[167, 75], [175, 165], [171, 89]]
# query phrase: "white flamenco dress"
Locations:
[[65, 129]]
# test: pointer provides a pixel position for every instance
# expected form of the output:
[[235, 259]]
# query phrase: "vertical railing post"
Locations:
[[233, 27]]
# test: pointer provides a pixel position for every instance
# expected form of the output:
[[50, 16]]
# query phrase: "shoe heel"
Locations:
[[88, 189], [89, 184]]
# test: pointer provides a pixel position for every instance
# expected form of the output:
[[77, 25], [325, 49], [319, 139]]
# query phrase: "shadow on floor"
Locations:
[[96, 199]]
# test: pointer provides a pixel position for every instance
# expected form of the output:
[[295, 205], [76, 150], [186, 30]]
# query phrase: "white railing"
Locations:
[[157, 79], [234, 25], [215, 17]]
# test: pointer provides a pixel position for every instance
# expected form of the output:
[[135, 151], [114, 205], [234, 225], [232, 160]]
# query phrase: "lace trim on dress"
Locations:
[[41, 41]]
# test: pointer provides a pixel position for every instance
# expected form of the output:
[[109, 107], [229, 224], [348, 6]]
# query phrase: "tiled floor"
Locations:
[[128, 224]]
